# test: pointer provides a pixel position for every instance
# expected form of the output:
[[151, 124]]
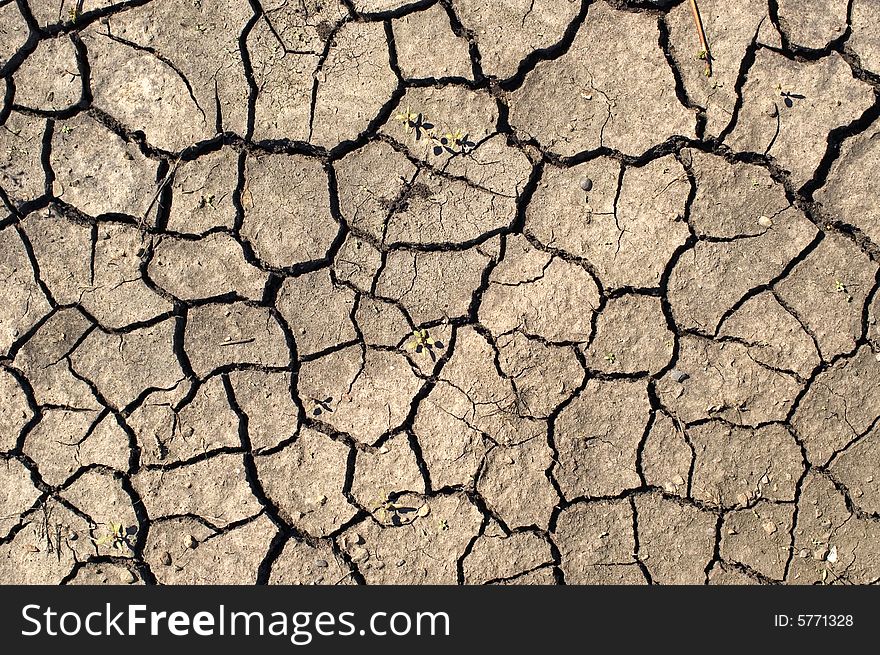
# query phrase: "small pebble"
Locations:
[[765, 221], [190, 541], [586, 184], [357, 539], [321, 563], [401, 562], [678, 376], [678, 480], [165, 559], [360, 555], [769, 527], [126, 576], [832, 555]]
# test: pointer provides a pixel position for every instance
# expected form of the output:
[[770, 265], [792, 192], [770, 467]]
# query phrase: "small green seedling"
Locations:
[[788, 98], [611, 358], [415, 123], [388, 510], [322, 406], [421, 341], [116, 537], [443, 524], [407, 116], [384, 506], [207, 201], [453, 142], [704, 55]]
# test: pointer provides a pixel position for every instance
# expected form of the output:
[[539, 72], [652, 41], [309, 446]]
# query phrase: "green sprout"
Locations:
[[788, 97], [415, 123], [840, 287], [385, 508], [406, 117], [701, 33], [422, 341], [388, 510], [322, 406], [611, 358], [116, 537], [207, 201], [453, 142], [704, 56]]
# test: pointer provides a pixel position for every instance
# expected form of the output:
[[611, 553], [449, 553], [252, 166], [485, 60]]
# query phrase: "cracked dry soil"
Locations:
[[439, 291]]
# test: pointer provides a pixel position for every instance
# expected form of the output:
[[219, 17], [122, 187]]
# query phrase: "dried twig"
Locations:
[[162, 186], [702, 34], [236, 342]]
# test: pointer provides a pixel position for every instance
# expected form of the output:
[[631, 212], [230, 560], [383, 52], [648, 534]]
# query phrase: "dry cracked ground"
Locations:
[[439, 291]]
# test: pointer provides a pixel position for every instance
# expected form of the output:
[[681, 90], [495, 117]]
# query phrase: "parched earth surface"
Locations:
[[453, 291]]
